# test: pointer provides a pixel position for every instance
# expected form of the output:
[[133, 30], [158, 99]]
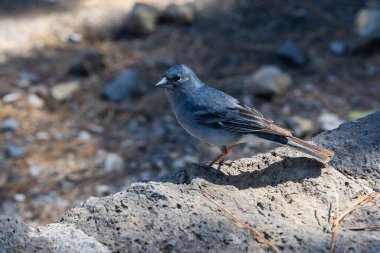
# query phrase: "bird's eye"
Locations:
[[176, 78]]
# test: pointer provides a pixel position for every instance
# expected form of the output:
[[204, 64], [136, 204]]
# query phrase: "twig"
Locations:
[[335, 222], [260, 235], [363, 200], [375, 228]]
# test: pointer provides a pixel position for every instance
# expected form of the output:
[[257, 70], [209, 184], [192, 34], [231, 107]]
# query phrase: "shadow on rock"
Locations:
[[251, 175]]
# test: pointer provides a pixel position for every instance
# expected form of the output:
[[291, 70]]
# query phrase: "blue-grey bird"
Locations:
[[217, 118]]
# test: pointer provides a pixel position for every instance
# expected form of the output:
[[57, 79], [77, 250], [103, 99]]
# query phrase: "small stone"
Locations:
[[74, 38], [90, 61], [84, 135], [15, 151], [338, 48], [291, 54], [42, 135], [112, 163], [102, 190], [372, 70], [128, 84], [300, 126], [26, 79], [143, 19], [35, 170], [328, 121], [10, 125], [367, 23], [269, 81], [19, 197], [64, 91], [181, 14], [35, 101], [11, 97]]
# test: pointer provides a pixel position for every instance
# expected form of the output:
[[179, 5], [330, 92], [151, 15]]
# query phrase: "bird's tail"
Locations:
[[300, 145], [311, 149]]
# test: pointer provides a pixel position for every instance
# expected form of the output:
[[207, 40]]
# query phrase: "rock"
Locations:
[[113, 163], [18, 197], [84, 135], [300, 126], [15, 151], [26, 79], [35, 170], [128, 84], [291, 54], [283, 194], [17, 237], [89, 62], [35, 101], [102, 190], [64, 91], [143, 19], [328, 121], [269, 81], [338, 48], [367, 23], [10, 125], [181, 14], [11, 97], [74, 38], [356, 146], [372, 70]]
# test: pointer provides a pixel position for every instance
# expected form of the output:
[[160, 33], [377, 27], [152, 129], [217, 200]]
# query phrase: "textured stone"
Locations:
[[285, 194]]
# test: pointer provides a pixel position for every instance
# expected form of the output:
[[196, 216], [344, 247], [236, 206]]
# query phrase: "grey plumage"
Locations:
[[219, 119]]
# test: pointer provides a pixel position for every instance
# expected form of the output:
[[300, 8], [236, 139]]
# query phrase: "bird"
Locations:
[[219, 119]]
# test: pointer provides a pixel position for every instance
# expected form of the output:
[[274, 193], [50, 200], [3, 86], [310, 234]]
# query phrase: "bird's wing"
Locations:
[[240, 119]]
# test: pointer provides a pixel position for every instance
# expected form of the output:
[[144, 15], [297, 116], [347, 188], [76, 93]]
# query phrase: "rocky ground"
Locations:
[[288, 200], [79, 116]]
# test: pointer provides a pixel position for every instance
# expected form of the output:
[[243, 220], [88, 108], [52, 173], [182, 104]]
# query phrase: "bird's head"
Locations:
[[179, 77]]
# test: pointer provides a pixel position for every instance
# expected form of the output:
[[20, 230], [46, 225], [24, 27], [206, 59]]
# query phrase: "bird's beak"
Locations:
[[164, 82]]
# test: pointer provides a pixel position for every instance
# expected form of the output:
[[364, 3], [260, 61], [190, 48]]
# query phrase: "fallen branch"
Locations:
[[260, 235], [375, 228], [363, 200]]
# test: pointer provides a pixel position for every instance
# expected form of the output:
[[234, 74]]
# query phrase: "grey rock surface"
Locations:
[[286, 195]]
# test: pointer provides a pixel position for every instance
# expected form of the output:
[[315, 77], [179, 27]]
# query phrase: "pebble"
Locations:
[[291, 54], [372, 70], [64, 91], [10, 125], [367, 24], [42, 135], [181, 14], [35, 170], [102, 190], [84, 135], [90, 61], [74, 38], [18, 197], [328, 121], [269, 81], [11, 97], [338, 48], [35, 101], [300, 126], [15, 151], [128, 84], [26, 79], [143, 19], [113, 163]]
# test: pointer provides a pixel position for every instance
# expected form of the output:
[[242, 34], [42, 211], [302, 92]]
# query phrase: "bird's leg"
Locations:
[[227, 152], [221, 158]]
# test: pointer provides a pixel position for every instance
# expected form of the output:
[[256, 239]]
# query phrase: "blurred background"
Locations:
[[80, 117]]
